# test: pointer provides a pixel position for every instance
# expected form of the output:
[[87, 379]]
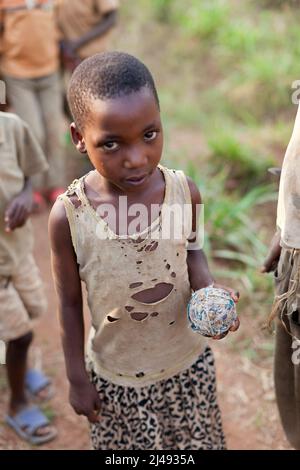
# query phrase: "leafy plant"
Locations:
[[230, 231], [242, 161]]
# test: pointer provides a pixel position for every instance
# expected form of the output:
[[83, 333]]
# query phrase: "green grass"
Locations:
[[252, 50], [244, 163]]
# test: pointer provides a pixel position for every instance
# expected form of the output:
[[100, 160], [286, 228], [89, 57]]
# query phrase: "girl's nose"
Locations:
[[135, 159]]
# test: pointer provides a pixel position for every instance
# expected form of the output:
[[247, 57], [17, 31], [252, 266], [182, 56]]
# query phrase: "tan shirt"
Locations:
[[20, 157], [76, 17], [133, 342], [288, 209], [28, 39]]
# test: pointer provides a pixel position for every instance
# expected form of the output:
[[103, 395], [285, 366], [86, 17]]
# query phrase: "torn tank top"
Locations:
[[138, 336]]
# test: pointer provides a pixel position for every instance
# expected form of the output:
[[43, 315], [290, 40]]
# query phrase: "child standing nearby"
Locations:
[[22, 297], [29, 63], [149, 380], [85, 28], [284, 258]]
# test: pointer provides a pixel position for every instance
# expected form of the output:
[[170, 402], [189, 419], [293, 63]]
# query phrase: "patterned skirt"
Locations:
[[179, 413]]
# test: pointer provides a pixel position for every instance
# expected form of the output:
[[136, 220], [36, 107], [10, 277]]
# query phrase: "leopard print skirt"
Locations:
[[179, 413]]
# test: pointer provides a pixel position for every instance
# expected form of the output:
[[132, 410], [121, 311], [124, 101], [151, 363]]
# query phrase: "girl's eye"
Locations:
[[110, 146], [151, 135]]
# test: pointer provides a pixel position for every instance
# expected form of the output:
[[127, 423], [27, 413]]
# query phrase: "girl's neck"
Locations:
[[102, 186]]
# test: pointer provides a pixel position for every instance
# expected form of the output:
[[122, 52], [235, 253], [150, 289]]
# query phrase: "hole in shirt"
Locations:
[[151, 247], [154, 294], [74, 200], [139, 240], [135, 284], [173, 274], [112, 319], [139, 316], [139, 374], [128, 308], [139, 262], [172, 322], [168, 266], [154, 314]]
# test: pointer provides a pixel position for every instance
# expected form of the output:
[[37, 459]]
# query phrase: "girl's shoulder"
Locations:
[[177, 184], [171, 171]]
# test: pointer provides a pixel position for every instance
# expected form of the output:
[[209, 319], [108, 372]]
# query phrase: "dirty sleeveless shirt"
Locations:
[[133, 342]]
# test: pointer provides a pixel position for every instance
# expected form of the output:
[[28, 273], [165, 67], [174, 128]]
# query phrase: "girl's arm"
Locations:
[[198, 269], [83, 396], [199, 273]]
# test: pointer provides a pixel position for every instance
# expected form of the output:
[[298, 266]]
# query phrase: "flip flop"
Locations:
[[36, 381], [27, 422]]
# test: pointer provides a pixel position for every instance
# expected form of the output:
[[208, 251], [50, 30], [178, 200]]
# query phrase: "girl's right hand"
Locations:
[[85, 400]]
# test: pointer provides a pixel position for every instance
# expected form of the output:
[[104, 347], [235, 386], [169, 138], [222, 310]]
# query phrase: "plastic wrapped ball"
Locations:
[[211, 311]]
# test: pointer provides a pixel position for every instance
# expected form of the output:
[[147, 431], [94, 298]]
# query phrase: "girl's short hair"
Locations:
[[103, 76]]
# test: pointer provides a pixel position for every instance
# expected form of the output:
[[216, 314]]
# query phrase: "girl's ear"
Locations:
[[77, 138]]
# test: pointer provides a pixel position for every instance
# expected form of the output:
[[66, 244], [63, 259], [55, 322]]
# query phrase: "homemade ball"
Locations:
[[211, 311]]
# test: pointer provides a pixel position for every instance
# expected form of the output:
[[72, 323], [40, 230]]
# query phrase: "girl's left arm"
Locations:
[[199, 273]]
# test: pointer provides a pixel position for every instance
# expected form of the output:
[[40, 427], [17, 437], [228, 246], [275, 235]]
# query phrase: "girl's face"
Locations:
[[123, 138]]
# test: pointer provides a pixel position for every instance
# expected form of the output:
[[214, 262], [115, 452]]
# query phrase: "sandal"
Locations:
[[27, 422], [35, 382]]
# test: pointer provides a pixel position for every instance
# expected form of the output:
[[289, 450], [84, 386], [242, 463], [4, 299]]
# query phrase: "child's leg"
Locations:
[[23, 97], [30, 290], [287, 385], [15, 330], [16, 364], [50, 102]]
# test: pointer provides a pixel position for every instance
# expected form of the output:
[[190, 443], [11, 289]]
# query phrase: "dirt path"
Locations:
[[245, 390]]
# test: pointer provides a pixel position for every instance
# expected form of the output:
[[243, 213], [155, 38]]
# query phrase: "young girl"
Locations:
[[150, 380]]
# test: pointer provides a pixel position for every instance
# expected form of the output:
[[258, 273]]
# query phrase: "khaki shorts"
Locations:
[[22, 299]]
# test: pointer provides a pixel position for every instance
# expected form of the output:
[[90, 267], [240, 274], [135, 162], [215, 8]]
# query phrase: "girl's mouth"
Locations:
[[136, 180]]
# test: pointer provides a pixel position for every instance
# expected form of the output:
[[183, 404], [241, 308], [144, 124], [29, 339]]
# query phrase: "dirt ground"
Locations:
[[245, 390]]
